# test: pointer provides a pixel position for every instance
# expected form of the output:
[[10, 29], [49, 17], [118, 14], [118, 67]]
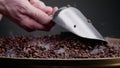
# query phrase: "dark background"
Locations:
[[103, 13]]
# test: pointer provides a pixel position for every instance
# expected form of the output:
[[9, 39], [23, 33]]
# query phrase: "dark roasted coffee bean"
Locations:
[[53, 46]]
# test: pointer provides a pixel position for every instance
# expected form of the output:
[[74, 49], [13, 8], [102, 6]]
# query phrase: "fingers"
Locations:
[[37, 3], [54, 10], [28, 16], [48, 10], [40, 5], [30, 24], [40, 14], [1, 17]]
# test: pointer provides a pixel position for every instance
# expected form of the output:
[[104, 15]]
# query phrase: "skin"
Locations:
[[30, 15]]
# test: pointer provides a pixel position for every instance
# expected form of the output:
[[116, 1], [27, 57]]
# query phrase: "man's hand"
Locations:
[[33, 15]]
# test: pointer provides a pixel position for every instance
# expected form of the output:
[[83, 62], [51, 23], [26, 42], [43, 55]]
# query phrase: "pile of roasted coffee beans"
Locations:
[[54, 46]]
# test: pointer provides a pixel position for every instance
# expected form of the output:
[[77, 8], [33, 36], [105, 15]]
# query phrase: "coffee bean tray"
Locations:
[[62, 50]]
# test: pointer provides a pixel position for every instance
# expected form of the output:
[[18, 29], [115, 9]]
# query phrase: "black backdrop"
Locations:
[[103, 13]]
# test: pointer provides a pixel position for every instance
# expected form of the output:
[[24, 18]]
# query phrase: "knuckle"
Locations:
[[22, 9]]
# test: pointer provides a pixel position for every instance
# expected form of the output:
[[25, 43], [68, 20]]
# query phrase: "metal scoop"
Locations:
[[74, 21]]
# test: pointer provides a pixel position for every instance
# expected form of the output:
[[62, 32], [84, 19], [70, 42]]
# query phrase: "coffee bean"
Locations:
[[53, 46]]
